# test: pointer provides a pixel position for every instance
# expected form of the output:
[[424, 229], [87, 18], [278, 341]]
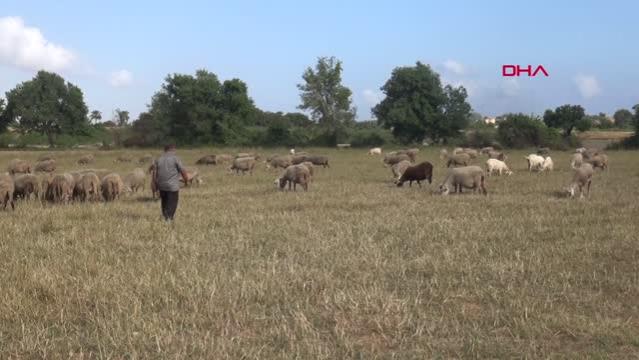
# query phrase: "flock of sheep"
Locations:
[[23, 181]]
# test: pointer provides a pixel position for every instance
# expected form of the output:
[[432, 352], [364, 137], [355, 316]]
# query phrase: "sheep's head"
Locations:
[[276, 182], [444, 190]]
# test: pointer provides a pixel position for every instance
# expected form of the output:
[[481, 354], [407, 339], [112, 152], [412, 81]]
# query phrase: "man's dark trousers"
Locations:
[[169, 201]]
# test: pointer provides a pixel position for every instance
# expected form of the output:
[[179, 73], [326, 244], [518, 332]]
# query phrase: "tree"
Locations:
[[95, 116], [636, 119], [323, 94], [567, 117], [3, 121], [623, 118], [520, 130], [416, 106], [48, 105], [121, 117]]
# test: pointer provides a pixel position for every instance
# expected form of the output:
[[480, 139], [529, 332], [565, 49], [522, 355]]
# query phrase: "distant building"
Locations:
[[490, 120]]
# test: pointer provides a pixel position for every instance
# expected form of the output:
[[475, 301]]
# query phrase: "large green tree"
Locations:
[[623, 118], [567, 117], [49, 105], [121, 117], [416, 106], [323, 94], [199, 109], [95, 116], [636, 119]]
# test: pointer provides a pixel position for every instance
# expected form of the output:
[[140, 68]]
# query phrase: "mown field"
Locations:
[[354, 268]]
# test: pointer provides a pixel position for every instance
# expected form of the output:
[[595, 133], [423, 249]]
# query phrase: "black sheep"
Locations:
[[419, 172]]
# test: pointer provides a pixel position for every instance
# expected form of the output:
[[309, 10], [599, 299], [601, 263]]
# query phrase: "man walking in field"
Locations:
[[168, 169]]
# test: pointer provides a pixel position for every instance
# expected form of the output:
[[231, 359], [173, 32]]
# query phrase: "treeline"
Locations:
[[201, 109]]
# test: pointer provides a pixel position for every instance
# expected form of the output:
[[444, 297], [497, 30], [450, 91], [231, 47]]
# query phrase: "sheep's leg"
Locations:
[[588, 188], [419, 183]]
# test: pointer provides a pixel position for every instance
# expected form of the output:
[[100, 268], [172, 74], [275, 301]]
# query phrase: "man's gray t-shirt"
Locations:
[[169, 172]]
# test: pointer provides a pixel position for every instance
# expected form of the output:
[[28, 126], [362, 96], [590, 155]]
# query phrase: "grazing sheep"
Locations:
[[59, 189], [17, 166], [375, 151], [419, 172], [581, 178], [243, 164], [399, 168], [257, 157], [588, 153], [492, 154], [486, 150], [293, 175], [134, 181], [207, 160], [458, 159], [598, 161], [279, 162], [123, 158], [392, 159], [576, 160], [412, 153], [543, 151], [535, 162], [86, 159], [6, 191], [112, 187], [443, 154], [87, 188], [145, 159], [470, 177], [25, 185], [343, 146], [495, 165], [191, 176], [318, 160], [458, 150], [548, 164], [298, 159], [223, 158], [291, 151], [47, 166]]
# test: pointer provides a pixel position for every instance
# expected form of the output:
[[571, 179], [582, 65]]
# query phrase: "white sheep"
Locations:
[[292, 151], [494, 165], [535, 162], [375, 151], [576, 160], [548, 165]]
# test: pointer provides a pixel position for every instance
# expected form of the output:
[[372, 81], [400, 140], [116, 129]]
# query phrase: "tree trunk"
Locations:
[[50, 138]]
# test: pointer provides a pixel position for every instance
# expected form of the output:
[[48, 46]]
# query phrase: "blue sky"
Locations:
[[119, 52]]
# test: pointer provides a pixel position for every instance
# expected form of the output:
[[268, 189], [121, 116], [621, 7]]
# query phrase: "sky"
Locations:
[[119, 52]]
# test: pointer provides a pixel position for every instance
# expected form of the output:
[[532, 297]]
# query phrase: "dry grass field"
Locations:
[[354, 268]]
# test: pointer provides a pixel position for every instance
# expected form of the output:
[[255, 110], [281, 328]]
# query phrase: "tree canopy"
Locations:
[[48, 105], [416, 105], [323, 94], [95, 116], [623, 118], [567, 117]]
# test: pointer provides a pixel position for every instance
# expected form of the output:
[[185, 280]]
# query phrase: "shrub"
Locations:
[[481, 135], [369, 137], [520, 131]]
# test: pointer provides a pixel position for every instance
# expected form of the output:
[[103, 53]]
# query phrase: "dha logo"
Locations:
[[516, 70]]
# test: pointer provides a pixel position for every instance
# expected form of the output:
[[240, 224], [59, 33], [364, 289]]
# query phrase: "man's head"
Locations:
[[169, 147]]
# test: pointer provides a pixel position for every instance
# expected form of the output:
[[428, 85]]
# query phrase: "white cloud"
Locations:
[[455, 67], [372, 97], [588, 85], [510, 87], [26, 48], [121, 78], [471, 86]]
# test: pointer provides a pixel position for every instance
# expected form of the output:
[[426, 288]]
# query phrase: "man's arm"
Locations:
[[182, 170]]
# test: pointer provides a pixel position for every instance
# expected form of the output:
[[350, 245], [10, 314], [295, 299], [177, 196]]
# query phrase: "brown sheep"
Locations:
[[598, 161], [317, 160], [112, 187], [243, 164], [191, 176], [207, 160], [47, 166], [17, 166], [311, 169], [25, 185], [45, 157], [459, 159], [59, 189], [223, 158], [87, 188], [86, 159], [279, 162], [419, 172], [293, 175], [298, 159], [6, 191]]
